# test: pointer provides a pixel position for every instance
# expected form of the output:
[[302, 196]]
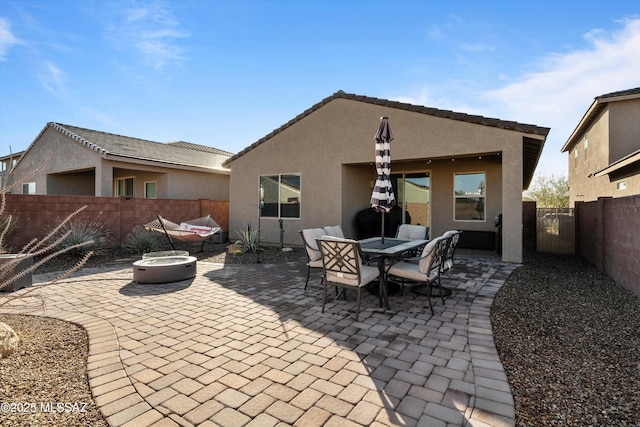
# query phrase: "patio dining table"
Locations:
[[383, 250]]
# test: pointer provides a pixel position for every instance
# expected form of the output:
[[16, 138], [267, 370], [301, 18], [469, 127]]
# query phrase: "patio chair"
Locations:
[[314, 257], [413, 232], [426, 271], [447, 261], [343, 266], [335, 231]]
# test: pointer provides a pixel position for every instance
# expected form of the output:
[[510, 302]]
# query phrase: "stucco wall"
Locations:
[[66, 155], [333, 149], [624, 129]]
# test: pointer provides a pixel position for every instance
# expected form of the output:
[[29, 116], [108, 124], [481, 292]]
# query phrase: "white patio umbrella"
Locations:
[[382, 198]]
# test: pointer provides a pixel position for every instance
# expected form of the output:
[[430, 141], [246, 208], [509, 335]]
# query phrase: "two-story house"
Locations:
[[604, 149]]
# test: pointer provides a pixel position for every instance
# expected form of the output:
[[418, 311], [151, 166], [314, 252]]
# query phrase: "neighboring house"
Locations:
[[450, 170], [86, 162], [604, 149], [6, 164]]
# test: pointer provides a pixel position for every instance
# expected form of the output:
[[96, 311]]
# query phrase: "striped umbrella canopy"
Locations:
[[382, 198]]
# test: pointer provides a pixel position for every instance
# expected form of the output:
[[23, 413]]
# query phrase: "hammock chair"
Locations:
[[192, 231]]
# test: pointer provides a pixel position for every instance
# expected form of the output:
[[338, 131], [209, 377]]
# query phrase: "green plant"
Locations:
[[83, 230], [249, 239], [141, 241]]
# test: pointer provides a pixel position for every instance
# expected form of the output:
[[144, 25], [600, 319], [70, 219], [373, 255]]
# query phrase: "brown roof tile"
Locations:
[[175, 153]]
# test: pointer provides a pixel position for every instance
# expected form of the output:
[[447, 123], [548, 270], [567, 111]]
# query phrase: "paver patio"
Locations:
[[247, 345]]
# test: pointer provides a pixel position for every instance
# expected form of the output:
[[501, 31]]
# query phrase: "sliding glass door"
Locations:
[[413, 193]]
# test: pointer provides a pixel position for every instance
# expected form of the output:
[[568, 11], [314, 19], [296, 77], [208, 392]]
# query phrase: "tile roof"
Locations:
[[110, 145], [634, 91], [480, 120]]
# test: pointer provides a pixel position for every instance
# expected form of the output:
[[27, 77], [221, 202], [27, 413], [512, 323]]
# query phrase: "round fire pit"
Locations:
[[164, 269]]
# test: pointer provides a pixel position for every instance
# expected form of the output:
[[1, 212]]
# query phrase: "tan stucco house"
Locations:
[[604, 149], [7, 162], [450, 170], [84, 162]]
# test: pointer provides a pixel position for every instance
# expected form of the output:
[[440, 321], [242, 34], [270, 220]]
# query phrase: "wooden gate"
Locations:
[[555, 230]]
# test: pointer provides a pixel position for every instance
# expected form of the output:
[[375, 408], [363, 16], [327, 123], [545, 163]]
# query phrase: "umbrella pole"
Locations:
[[383, 226]]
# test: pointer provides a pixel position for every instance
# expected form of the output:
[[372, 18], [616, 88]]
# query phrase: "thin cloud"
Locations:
[[559, 93], [150, 31], [7, 39], [53, 79]]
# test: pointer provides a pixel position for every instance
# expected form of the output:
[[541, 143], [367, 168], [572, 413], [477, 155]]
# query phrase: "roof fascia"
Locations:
[[586, 119], [619, 164], [156, 163]]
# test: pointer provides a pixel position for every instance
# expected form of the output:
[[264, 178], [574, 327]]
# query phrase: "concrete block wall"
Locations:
[[37, 215], [609, 237], [622, 241]]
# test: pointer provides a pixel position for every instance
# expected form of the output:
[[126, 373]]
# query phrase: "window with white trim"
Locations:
[[29, 188], [280, 196], [151, 190], [124, 187], [585, 145], [469, 196]]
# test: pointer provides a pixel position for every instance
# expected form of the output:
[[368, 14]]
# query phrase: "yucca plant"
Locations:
[[83, 230], [249, 239], [141, 241]]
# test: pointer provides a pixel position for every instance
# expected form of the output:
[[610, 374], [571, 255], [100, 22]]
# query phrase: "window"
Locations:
[[150, 190], [622, 185], [585, 144], [29, 188], [124, 187], [280, 196], [469, 196], [575, 156]]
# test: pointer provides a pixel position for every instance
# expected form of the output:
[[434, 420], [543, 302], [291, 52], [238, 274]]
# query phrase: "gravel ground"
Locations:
[[569, 340], [45, 383], [568, 336]]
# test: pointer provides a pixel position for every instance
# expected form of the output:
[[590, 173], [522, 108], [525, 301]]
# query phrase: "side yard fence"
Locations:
[[605, 232], [608, 236], [36, 215]]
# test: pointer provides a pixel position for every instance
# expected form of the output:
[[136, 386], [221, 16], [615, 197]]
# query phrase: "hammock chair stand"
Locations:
[[192, 231]]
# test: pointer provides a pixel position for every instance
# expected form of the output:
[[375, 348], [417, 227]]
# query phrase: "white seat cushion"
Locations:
[[335, 231], [316, 263], [409, 271], [412, 232], [427, 255], [310, 235], [367, 274]]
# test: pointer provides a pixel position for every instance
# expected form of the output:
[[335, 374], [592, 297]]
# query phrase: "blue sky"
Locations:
[[226, 73]]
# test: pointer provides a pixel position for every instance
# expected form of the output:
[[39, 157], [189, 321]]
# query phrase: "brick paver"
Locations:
[[244, 345]]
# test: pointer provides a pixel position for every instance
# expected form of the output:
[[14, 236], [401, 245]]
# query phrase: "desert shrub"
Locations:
[[249, 239], [141, 241], [84, 230]]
